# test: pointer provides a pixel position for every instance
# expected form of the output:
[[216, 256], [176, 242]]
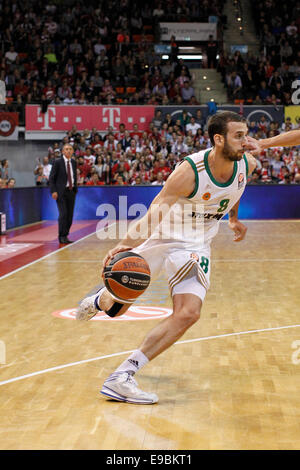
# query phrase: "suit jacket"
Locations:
[[58, 176]]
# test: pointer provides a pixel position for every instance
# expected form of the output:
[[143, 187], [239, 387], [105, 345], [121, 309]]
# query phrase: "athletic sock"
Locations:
[[134, 362], [98, 298]]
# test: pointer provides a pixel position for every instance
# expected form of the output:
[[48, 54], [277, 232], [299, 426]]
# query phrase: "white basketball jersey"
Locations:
[[194, 221]]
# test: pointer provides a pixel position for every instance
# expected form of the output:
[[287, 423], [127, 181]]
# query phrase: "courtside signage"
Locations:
[[103, 118]]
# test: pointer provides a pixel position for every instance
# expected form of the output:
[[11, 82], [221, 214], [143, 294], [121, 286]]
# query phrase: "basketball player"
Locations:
[[214, 180]]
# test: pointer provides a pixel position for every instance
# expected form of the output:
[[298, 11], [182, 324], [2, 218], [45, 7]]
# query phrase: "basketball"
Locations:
[[127, 276]]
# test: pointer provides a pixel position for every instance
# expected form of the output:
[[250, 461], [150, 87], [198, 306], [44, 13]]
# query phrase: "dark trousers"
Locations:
[[65, 204]]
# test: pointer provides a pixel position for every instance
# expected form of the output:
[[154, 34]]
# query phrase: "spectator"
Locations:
[[94, 180], [43, 170], [160, 90], [264, 92], [193, 126], [187, 91], [179, 147], [5, 170], [11, 183], [69, 100], [49, 91], [64, 90], [199, 119], [40, 179], [159, 180], [234, 86], [107, 91], [11, 55], [99, 47], [211, 52], [21, 88], [157, 121]]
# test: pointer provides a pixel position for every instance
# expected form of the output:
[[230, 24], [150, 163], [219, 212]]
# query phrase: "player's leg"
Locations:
[[121, 385], [188, 275], [188, 293], [186, 312]]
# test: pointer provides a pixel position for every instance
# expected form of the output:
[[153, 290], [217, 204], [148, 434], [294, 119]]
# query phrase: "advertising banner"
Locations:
[[252, 113], [293, 112], [9, 126], [60, 119], [194, 32]]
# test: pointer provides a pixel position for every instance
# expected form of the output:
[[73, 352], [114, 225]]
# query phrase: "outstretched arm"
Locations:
[[286, 139]]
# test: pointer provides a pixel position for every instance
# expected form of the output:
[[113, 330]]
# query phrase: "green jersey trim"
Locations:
[[221, 185], [247, 166], [196, 176]]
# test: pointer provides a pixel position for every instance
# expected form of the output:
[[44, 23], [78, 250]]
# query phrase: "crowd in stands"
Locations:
[[98, 52], [102, 53], [146, 158], [95, 52], [6, 179], [267, 79]]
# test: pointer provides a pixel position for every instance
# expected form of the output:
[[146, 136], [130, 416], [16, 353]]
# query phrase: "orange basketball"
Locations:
[[127, 276]]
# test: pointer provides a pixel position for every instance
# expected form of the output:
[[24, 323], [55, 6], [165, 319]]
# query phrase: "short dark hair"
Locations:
[[217, 124]]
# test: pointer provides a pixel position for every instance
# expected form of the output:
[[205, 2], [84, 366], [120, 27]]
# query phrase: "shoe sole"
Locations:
[[115, 396], [87, 316]]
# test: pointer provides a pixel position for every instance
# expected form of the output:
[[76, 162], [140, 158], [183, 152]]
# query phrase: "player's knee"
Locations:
[[188, 316]]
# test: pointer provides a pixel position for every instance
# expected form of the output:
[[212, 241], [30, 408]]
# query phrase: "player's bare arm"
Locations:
[[251, 163], [238, 227], [235, 224], [179, 184], [287, 139]]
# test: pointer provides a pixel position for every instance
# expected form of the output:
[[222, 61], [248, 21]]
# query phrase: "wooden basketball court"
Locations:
[[232, 381]]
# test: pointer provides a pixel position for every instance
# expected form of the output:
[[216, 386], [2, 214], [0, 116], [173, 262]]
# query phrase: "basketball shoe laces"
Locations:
[[129, 379]]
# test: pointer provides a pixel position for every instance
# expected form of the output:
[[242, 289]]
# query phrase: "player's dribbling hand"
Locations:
[[239, 230], [112, 253]]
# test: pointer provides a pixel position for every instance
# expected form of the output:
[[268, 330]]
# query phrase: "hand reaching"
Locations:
[[253, 146]]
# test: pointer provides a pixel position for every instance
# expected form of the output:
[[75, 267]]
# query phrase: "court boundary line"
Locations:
[[121, 353], [54, 252]]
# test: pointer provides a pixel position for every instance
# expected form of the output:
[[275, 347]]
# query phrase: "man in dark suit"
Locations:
[[63, 187]]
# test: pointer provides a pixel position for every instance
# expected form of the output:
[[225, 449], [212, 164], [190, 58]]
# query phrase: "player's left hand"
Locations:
[[239, 230]]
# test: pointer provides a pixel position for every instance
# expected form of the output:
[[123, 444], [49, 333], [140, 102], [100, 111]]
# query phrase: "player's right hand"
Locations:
[[112, 253]]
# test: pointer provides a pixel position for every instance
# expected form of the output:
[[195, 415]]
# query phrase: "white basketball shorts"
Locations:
[[187, 270]]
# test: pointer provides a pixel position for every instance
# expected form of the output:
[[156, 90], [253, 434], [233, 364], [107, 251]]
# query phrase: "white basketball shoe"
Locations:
[[121, 386], [87, 308]]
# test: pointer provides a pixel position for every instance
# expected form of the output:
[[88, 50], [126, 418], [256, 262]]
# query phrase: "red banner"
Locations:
[[62, 118]]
